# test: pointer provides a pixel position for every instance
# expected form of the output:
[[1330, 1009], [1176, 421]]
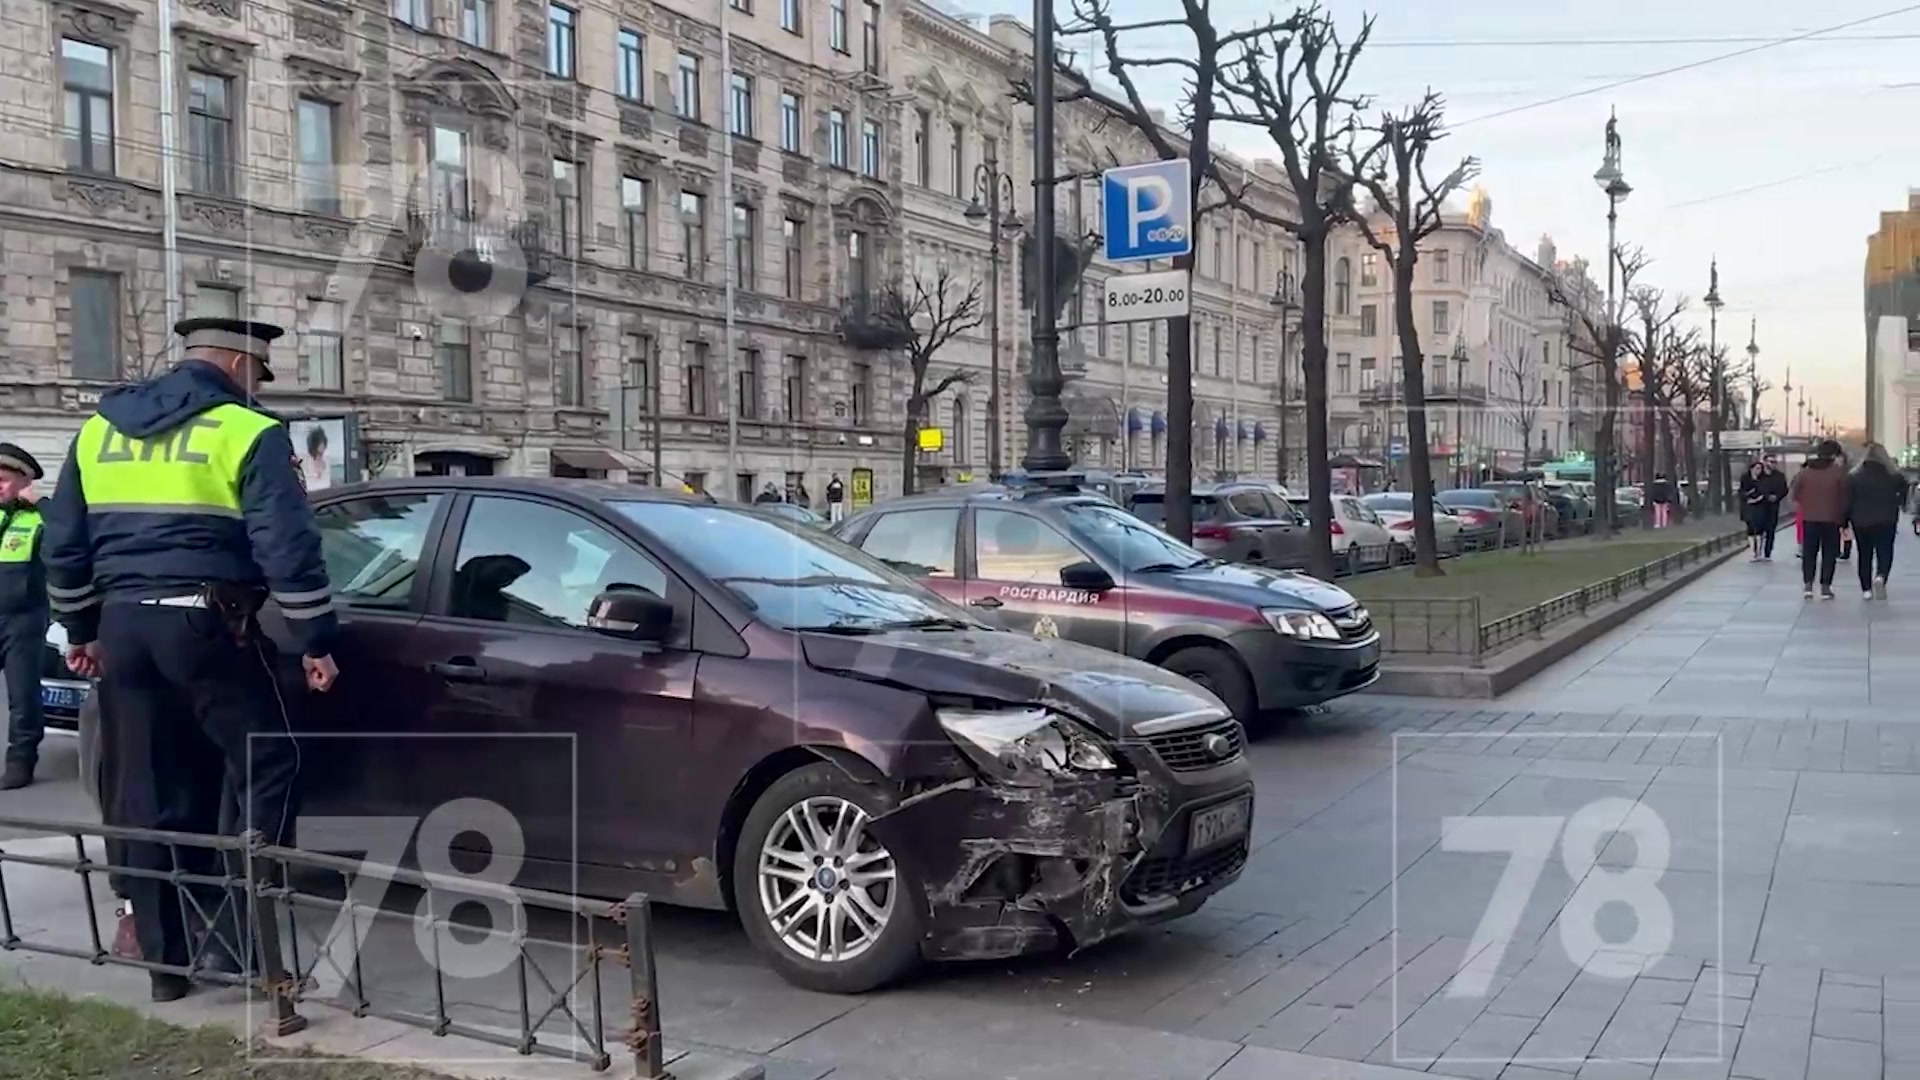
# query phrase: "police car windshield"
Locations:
[[1134, 544], [791, 575]]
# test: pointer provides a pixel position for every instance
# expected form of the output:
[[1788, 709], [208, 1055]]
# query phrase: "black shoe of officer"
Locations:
[[169, 987], [18, 775]]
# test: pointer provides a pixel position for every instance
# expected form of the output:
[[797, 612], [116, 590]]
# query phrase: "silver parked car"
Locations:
[[1396, 509]]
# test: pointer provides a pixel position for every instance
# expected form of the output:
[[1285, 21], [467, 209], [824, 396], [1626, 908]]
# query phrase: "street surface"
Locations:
[[1737, 756]]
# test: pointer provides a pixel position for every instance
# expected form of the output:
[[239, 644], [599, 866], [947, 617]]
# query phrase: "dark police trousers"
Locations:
[[188, 713], [23, 645]]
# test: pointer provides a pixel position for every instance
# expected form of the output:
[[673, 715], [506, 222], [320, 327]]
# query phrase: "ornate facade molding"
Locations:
[[224, 9], [319, 26], [94, 20], [210, 52], [322, 80], [220, 215]]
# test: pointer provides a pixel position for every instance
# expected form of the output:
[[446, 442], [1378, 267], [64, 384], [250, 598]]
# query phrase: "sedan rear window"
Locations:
[[791, 576], [1469, 498], [1152, 508], [1390, 502]]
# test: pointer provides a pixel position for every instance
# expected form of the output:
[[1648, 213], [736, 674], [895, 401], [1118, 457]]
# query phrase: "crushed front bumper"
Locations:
[[1016, 870]]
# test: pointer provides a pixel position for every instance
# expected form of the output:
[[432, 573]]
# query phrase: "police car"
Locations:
[[62, 691], [1056, 561]]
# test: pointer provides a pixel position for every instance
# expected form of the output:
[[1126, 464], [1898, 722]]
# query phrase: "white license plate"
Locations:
[[62, 697], [1217, 825]]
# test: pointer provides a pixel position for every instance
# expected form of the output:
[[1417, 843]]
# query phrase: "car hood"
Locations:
[[1112, 692], [1256, 586]]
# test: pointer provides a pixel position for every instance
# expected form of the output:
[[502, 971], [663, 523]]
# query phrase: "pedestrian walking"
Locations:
[[1820, 490], [1875, 494], [836, 498], [1775, 489], [768, 494], [1753, 507], [178, 514], [1660, 494], [23, 613]]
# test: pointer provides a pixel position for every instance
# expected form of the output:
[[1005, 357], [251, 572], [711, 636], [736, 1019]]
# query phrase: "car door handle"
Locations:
[[459, 669], [988, 602]]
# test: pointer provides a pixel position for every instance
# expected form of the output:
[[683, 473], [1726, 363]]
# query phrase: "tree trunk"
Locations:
[[1691, 458], [1604, 443], [910, 443], [1649, 449], [1313, 367], [1413, 369]]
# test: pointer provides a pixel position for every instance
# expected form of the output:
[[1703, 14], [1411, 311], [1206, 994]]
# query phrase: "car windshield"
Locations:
[[1468, 498], [791, 576], [1389, 502], [1128, 540]]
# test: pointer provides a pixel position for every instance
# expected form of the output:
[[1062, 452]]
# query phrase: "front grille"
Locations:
[[1198, 748], [1354, 623], [1171, 876]]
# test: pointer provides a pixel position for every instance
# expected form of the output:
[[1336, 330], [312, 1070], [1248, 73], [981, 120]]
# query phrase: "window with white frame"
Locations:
[[322, 351]]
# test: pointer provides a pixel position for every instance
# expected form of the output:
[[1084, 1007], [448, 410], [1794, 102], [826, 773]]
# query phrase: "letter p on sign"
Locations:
[[1149, 211]]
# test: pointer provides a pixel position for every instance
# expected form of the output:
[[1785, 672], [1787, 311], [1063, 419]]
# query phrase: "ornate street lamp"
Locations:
[[1613, 182], [996, 188]]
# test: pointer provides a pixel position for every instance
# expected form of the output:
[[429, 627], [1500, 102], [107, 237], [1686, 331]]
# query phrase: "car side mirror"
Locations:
[[1086, 575], [632, 614]]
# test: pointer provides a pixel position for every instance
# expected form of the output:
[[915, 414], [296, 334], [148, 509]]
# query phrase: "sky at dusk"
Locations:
[[1777, 161]]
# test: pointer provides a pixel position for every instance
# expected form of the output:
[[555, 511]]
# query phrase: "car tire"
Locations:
[[1221, 673], [88, 726], [886, 956]]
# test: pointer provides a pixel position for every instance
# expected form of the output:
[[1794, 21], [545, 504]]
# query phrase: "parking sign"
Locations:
[[1149, 211]]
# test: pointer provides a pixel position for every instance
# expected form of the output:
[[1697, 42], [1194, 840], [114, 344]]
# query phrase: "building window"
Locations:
[[1442, 270], [746, 384], [1218, 334], [1369, 320], [453, 355], [741, 94], [476, 23], [792, 245], [95, 316], [696, 390], [791, 20], [859, 273], [1369, 270], [639, 381], [1442, 323], [1343, 286], [797, 389], [636, 200], [568, 213], [957, 159], [837, 138], [210, 132], [741, 5], [860, 389], [562, 53], [318, 124], [870, 147], [870, 37], [837, 25], [746, 244], [216, 302], [790, 123], [88, 72], [632, 76], [1344, 370], [1368, 377], [322, 351], [922, 147], [569, 367], [693, 233], [686, 93], [962, 429], [415, 13], [450, 189]]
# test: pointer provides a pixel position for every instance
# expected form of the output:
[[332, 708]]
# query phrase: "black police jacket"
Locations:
[[125, 548]]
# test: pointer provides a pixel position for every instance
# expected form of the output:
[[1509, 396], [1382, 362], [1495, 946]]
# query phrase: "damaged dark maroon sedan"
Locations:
[[722, 708]]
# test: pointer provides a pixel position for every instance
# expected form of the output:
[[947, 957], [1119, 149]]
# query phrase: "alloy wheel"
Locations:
[[826, 884]]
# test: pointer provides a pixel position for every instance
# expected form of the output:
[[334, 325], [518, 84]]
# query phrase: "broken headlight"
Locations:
[[1015, 741], [1302, 624]]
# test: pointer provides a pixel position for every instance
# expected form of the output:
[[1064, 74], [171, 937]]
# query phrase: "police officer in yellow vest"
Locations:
[[23, 614], [178, 513]]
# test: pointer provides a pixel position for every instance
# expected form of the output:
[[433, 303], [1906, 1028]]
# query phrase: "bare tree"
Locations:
[[1654, 313], [926, 316], [1524, 393], [143, 306], [1601, 339], [1292, 84], [1687, 391], [1392, 168], [1125, 58]]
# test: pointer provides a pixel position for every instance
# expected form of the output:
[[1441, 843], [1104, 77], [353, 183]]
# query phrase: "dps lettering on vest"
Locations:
[[193, 469]]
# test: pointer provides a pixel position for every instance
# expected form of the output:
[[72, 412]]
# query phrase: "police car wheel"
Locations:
[[828, 905], [1219, 672]]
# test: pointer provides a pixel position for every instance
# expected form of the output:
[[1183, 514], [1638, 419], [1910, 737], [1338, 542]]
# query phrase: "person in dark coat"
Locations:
[[1819, 489], [1774, 488], [1875, 493], [1753, 507]]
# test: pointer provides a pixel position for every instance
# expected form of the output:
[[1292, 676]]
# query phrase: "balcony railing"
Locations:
[[869, 321], [474, 249], [1450, 390]]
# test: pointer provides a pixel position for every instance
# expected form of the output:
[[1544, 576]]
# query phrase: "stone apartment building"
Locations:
[[498, 234], [1503, 386]]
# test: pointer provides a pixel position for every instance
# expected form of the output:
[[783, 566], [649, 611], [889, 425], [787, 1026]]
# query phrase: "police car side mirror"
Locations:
[[1086, 575], [632, 614]]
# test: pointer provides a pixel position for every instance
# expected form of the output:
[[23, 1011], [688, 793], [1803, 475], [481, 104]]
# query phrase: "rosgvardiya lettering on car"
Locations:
[[1055, 595]]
